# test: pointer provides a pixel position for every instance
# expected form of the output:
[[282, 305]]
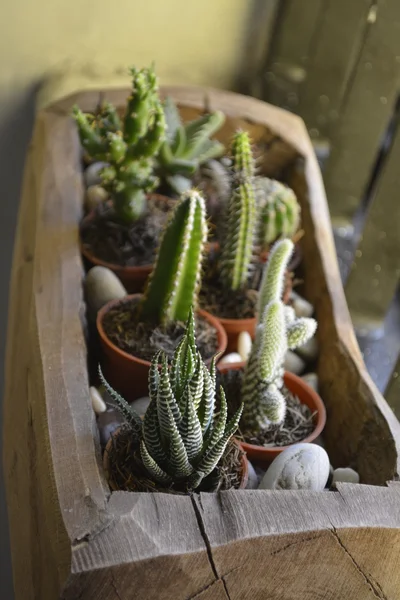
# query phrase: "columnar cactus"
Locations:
[[175, 281], [182, 438], [187, 146], [129, 148], [237, 245], [277, 332], [279, 211]]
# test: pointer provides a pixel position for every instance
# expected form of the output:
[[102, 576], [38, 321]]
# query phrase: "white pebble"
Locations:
[[101, 285], [94, 196], [312, 380], [244, 345], [252, 482], [309, 350], [301, 306], [299, 467], [346, 475], [92, 173], [233, 357], [140, 405], [98, 404], [294, 363]]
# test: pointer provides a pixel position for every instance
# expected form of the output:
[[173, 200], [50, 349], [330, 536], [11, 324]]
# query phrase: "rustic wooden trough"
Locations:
[[71, 537]]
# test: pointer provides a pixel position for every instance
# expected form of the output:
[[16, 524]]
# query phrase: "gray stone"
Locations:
[[309, 350], [294, 363], [252, 482], [312, 380], [107, 423], [299, 467], [301, 306], [95, 195], [101, 285], [91, 175], [232, 357], [140, 405], [345, 475]]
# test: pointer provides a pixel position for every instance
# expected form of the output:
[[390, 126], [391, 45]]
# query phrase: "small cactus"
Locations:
[[182, 439], [237, 245], [279, 211], [277, 332], [187, 146], [175, 281], [130, 147]]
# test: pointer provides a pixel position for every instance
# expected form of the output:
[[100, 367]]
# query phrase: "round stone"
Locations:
[[244, 345], [345, 475], [92, 173], [101, 285], [95, 195], [98, 403], [233, 357]]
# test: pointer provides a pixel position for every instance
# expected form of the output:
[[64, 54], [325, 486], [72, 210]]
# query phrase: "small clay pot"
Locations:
[[129, 374], [306, 395], [233, 328], [133, 278], [115, 488]]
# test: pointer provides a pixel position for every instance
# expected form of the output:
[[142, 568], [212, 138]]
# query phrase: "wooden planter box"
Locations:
[[73, 539]]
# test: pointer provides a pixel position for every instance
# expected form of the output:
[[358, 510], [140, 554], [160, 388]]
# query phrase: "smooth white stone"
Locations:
[[140, 405], [94, 196], [252, 482], [98, 404], [345, 475], [309, 350], [244, 345], [101, 285], [294, 363], [299, 467], [312, 380], [92, 173], [301, 306], [233, 357]]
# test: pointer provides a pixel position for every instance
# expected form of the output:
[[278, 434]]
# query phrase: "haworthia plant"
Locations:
[[278, 331], [279, 210], [129, 147], [183, 437], [237, 244], [187, 146], [175, 281]]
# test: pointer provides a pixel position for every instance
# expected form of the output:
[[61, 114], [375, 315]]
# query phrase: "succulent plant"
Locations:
[[182, 437], [187, 146], [279, 211], [130, 147], [237, 245], [175, 281], [278, 331]]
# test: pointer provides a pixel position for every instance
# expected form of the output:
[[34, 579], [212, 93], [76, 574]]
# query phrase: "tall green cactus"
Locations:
[[279, 211], [182, 439], [187, 146], [237, 245], [129, 147], [175, 282], [273, 280]]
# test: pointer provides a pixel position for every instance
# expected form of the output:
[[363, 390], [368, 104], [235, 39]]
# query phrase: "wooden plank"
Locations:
[[375, 271], [370, 100], [392, 393]]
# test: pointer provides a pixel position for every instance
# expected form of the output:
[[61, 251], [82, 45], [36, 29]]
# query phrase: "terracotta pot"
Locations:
[[233, 327], [114, 487], [128, 374], [134, 278], [306, 395]]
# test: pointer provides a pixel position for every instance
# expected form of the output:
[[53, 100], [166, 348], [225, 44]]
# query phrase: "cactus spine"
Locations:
[[237, 246], [129, 148], [175, 282], [278, 330], [182, 439], [279, 211], [187, 146]]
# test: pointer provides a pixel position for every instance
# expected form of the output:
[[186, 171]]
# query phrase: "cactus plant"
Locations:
[[279, 211], [175, 281], [237, 245], [182, 439], [128, 147], [187, 146], [277, 332]]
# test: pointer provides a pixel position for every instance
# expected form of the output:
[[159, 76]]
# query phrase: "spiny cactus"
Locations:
[[279, 211], [273, 280], [182, 439], [175, 281], [129, 148], [237, 245], [187, 146]]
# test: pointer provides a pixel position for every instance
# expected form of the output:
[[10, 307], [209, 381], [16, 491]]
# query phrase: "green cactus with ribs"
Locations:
[[278, 209]]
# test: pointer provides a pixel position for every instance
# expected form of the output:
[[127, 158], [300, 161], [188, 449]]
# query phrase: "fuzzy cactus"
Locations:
[[187, 146], [175, 281], [182, 438], [130, 147], [279, 211], [273, 280], [237, 245]]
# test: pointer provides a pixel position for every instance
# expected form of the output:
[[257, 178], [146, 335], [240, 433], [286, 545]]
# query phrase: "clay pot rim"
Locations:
[[106, 463], [138, 269], [320, 417], [221, 333]]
